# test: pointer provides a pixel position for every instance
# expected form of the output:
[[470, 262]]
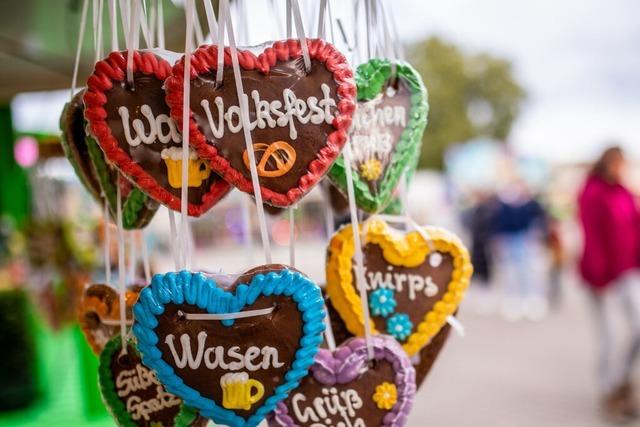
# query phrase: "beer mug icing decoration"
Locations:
[[386, 133], [230, 348], [133, 394], [299, 118], [96, 174], [414, 281], [99, 313], [345, 388], [132, 126]]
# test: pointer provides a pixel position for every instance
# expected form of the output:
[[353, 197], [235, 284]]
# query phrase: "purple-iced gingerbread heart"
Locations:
[[348, 389]]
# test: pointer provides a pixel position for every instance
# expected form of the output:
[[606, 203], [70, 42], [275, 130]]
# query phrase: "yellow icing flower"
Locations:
[[156, 424], [386, 396], [371, 169]]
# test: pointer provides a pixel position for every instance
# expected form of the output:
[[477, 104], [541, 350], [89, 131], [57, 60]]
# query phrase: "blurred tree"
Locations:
[[470, 95]]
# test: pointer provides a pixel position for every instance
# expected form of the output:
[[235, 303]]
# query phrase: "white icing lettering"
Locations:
[[231, 359], [272, 114], [154, 124]]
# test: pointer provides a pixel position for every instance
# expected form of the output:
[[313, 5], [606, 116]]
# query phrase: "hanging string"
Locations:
[[145, 256], [247, 232], [132, 255], [244, 117], [198, 29], [184, 194], [321, 17], [153, 17], [329, 220], [288, 18], [329, 337], [121, 269], [173, 236], [211, 21], [160, 25], [76, 65], [292, 236], [360, 277], [132, 40], [107, 243], [297, 18], [113, 20], [144, 25], [97, 27], [124, 17], [275, 10], [223, 10]]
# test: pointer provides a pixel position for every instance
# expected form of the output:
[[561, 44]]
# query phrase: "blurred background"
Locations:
[[524, 97]]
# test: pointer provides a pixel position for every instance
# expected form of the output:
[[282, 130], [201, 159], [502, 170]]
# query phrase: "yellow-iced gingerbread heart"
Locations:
[[413, 284]]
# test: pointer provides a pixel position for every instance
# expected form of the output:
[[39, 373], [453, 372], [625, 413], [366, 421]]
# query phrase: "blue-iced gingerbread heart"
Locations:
[[233, 369]]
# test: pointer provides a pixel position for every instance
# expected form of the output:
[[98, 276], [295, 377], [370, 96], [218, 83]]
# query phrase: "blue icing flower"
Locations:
[[399, 326], [382, 302]]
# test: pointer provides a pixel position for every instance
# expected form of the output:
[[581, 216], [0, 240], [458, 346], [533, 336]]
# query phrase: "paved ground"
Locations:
[[502, 374], [523, 374]]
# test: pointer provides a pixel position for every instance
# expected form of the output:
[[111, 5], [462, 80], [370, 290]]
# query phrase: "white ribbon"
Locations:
[[76, 64], [113, 20], [360, 277], [227, 316], [121, 269], [297, 18], [211, 21], [184, 193], [107, 243], [292, 236], [244, 117]]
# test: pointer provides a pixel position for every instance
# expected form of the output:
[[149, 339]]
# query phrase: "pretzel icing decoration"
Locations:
[[282, 154], [298, 119]]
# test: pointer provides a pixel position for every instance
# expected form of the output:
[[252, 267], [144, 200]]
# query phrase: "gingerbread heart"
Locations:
[[413, 284], [134, 396], [99, 313], [74, 145], [422, 361], [96, 175], [132, 126], [192, 331], [348, 389], [299, 119], [386, 133]]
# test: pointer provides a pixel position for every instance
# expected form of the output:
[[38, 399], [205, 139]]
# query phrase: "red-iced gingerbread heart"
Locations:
[[298, 118]]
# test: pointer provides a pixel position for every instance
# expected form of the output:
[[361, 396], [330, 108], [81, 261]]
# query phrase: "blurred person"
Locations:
[[478, 220], [555, 245], [609, 268], [518, 221]]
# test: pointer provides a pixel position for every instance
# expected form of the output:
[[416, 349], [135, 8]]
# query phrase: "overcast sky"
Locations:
[[578, 59]]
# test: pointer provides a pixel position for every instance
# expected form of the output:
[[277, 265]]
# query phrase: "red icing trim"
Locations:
[[113, 69], [204, 60]]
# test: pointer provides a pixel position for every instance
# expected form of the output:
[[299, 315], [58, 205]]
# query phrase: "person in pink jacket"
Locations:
[[609, 267]]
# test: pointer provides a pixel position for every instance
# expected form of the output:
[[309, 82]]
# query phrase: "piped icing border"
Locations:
[[409, 250], [371, 78], [186, 416], [347, 362], [113, 69], [205, 60], [197, 289]]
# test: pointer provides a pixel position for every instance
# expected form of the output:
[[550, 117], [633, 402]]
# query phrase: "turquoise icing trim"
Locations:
[[202, 291]]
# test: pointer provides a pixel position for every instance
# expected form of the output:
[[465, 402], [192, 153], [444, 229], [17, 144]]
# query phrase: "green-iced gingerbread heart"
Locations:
[[97, 176], [134, 396], [386, 134]]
